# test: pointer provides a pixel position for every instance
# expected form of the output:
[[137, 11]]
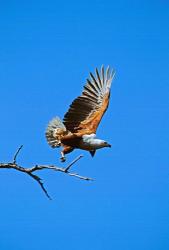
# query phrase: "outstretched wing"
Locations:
[[86, 111]]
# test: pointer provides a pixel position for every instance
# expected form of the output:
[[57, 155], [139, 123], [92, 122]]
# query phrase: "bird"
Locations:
[[79, 125]]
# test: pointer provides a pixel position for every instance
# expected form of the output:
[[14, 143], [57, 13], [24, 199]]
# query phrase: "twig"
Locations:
[[16, 154], [73, 162], [30, 171], [39, 180]]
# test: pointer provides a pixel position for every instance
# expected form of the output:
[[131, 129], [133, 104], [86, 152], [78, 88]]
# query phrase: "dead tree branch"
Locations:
[[30, 171]]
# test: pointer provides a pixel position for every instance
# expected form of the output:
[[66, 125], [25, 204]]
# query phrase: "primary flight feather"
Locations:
[[79, 126]]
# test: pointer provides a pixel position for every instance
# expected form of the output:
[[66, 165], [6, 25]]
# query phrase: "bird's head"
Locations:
[[106, 144]]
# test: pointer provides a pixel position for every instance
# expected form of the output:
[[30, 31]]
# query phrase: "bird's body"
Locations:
[[78, 129], [86, 142]]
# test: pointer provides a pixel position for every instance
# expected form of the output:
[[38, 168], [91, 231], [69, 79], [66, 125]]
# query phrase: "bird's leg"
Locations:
[[62, 158], [66, 150]]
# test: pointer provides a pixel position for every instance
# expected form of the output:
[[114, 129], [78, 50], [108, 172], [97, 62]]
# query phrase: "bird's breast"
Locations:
[[90, 145]]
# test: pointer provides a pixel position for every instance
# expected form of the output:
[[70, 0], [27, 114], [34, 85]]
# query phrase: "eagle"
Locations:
[[80, 123]]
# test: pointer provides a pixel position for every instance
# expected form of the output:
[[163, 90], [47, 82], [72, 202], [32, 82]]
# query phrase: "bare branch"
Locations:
[[16, 154], [30, 171]]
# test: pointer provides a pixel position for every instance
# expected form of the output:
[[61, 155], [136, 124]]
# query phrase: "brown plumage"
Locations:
[[84, 114]]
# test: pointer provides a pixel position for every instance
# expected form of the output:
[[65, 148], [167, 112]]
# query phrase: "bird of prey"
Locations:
[[78, 129]]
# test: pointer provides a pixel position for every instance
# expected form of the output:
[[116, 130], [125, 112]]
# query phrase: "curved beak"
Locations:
[[108, 145]]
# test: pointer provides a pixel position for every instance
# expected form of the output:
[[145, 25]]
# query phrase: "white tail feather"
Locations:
[[54, 131]]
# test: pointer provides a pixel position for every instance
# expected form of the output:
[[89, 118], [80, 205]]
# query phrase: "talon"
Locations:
[[63, 159]]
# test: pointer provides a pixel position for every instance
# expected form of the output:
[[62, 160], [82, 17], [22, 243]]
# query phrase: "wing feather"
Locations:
[[98, 78], [90, 92], [107, 74], [102, 72], [92, 86], [94, 82], [86, 111]]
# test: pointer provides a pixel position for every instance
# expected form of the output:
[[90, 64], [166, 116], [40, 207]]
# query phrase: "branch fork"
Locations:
[[30, 171]]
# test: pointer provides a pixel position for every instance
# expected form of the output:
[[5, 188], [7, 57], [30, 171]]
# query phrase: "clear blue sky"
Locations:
[[47, 49]]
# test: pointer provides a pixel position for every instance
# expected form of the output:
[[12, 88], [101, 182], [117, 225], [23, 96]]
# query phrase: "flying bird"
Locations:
[[79, 125]]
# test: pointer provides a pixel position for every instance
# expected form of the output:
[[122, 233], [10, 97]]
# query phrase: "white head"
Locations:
[[103, 143], [92, 143]]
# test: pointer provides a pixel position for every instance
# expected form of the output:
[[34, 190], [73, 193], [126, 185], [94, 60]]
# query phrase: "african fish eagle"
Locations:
[[78, 129]]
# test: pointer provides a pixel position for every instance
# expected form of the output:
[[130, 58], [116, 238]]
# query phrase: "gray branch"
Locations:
[[30, 171]]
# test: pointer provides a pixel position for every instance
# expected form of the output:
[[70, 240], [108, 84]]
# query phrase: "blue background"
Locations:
[[47, 49]]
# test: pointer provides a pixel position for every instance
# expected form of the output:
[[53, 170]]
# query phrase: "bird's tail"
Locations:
[[55, 130]]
